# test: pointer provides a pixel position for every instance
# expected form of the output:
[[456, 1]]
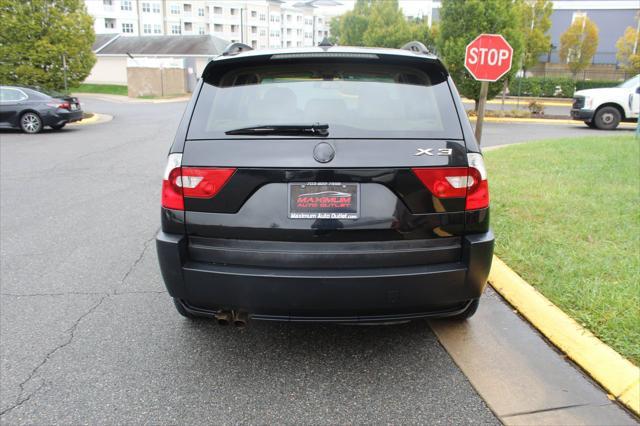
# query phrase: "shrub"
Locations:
[[542, 86], [536, 108], [595, 84]]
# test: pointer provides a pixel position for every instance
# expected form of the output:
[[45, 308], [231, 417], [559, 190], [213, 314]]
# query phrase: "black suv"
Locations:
[[330, 184]]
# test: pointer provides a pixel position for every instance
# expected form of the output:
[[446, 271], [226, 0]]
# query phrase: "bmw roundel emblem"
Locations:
[[323, 152]]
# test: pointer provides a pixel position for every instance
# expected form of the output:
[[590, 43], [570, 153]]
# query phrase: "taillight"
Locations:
[[190, 182], [63, 105], [458, 182], [171, 191], [478, 194]]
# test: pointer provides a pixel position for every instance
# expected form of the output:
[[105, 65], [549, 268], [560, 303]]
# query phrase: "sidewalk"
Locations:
[[519, 375]]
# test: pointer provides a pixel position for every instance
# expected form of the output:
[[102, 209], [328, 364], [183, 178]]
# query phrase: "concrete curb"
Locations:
[[95, 119], [611, 370], [554, 121], [525, 101]]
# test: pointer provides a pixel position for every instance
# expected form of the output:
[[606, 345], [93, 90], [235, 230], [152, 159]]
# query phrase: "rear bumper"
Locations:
[[342, 295], [61, 116], [582, 114]]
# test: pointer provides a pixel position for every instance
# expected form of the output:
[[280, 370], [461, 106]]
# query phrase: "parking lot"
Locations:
[[89, 334]]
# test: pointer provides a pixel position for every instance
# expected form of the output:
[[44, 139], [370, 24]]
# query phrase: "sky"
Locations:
[[409, 7]]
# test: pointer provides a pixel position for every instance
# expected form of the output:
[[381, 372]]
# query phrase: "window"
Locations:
[[263, 17], [175, 29], [12, 95], [218, 28], [127, 28], [157, 29], [254, 30], [288, 44], [188, 26], [288, 18], [201, 30], [233, 11], [109, 23], [146, 28], [254, 14], [187, 8], [365, 100], [319, 20], [234, 28], [125, 5], [299, 44], [299, 18], [200, 11], [298, 32], [146, 7], [217, 10], [107, 4], [254, 44], [174, 9], [263, 32], [156, 7]]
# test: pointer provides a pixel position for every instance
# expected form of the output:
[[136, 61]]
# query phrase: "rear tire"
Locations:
[[58, 126], [30, 122], [467, 313], [607, 118], [591, 124], [181, 310]]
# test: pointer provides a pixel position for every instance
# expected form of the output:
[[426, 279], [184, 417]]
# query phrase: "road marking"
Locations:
[[616, 374]]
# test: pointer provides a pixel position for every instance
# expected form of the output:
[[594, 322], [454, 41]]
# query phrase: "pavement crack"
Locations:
[[136, 262], [71, 334], [22, 398], [544, 410]]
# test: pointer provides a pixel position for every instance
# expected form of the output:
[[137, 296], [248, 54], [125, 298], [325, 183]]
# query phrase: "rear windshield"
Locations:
[[354, 100]]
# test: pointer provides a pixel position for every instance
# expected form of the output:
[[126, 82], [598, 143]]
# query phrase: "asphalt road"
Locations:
[[89, 335]]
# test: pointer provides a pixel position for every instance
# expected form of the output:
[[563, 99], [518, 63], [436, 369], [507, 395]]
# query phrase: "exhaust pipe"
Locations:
[[223, 317], [240, 319]]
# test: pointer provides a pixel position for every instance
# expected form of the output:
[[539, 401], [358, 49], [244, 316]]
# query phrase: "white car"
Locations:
[[605, 108]]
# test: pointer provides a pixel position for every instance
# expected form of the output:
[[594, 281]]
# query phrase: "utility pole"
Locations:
[[64, 71]]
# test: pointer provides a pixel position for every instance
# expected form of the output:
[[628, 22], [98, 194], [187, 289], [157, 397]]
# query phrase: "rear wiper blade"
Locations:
[[316, 129]]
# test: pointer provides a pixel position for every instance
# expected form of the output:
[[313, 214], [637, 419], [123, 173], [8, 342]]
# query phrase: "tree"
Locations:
[[536, 22], [387, 25], [629, 50], [463, 20], [349, 28], [34, 36], [378, 23], [421, 31], [578, 44]]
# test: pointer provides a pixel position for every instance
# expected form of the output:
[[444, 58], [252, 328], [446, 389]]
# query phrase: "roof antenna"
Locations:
[[417, 47], [325, 43]]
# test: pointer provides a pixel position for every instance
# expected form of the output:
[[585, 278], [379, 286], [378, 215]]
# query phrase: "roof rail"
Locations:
[[235, 48], [417, 47]]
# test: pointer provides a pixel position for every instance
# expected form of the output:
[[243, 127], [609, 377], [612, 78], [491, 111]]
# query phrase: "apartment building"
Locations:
[[258, 23]]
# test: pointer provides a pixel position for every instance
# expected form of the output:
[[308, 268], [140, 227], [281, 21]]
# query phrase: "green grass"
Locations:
[[110, 89], [566, 214]]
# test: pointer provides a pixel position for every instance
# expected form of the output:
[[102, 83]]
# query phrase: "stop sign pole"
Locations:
[[487, 58]]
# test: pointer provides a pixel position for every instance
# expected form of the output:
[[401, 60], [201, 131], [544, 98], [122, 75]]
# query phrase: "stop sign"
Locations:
[[488, 57]]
